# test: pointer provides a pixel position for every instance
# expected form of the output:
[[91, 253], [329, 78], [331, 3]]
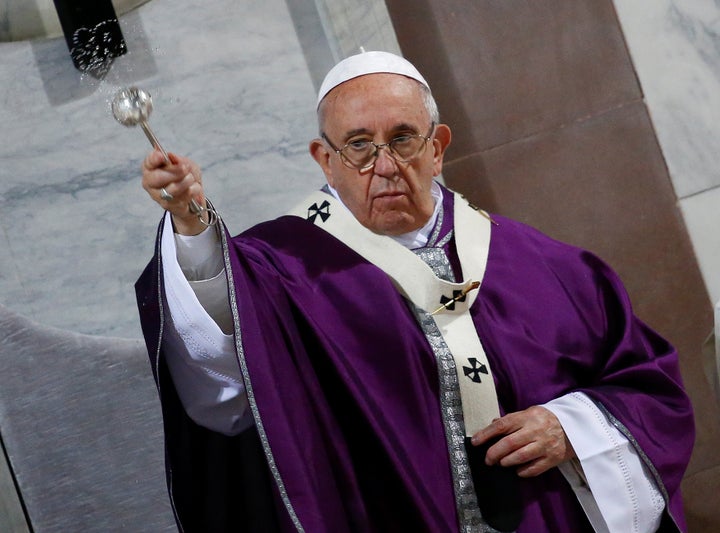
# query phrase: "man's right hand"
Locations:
[[532, 441], [181, 178]]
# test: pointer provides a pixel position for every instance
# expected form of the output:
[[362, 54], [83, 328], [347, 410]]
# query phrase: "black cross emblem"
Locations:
[[323, 211], [474, 370], [449, 303]]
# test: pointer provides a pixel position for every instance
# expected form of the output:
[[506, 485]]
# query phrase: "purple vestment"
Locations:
[[345, 390]]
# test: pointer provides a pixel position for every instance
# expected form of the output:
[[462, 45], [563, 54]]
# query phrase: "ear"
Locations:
[[440, 142], [321, 155]]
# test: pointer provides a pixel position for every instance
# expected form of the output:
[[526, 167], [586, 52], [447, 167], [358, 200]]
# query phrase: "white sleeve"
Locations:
[[201, 358], [201, 261], [611, 482]]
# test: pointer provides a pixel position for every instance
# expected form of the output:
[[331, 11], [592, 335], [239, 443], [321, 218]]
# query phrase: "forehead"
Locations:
[[374, 101]]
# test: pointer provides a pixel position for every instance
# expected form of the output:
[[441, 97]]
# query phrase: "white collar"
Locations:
[[419, 237]]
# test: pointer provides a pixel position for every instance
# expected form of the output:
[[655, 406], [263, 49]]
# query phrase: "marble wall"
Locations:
[[231, 89], [675, 46]]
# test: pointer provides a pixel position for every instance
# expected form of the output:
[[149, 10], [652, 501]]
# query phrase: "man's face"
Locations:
[[391, 198]]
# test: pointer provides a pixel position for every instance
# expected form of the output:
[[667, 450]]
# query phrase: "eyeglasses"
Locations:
[[361, 154]]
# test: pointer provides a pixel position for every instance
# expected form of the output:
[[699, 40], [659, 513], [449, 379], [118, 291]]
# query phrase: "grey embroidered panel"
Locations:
[[469, 516], [438, 261], [432, 240]]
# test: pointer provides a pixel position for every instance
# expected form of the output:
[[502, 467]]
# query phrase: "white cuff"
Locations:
[[609, 479], [199, 256]]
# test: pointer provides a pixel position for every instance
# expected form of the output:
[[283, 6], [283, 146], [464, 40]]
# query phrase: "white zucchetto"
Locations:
[[368, 63]]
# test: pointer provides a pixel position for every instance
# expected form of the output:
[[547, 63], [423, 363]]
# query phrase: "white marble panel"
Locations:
[[702, 218], [675, 45], [331, 30], [355, 26], [231, 89]]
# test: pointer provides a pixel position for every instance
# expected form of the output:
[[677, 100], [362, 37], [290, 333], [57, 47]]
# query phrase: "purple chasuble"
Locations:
[[345, 391]]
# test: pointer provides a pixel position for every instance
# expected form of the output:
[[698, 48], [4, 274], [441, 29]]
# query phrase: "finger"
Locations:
[[487, 433], [195, 192], [187, 165], [153, 174], [174, 158], [154, 160], [180, 190], [506, 447], [497, 428], [520, 454], [166, 176], [534, 468], [533, 458]]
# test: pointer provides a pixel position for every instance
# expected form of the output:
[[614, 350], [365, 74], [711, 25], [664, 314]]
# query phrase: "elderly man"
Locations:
[[337, 369]]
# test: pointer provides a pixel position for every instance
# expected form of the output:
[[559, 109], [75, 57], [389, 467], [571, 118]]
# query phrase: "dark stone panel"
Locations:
[[505, 69], [606, 168], [701, 501]]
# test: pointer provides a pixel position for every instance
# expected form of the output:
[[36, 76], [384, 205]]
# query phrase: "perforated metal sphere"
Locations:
[[131, 106]]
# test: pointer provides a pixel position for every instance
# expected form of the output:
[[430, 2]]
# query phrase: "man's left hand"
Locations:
[[533, 440]]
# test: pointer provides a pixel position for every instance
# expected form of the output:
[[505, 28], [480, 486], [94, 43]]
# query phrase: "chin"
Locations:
[[393, 225]]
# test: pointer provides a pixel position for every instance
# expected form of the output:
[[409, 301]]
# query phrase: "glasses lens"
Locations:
[[358, 154], [406, 147]]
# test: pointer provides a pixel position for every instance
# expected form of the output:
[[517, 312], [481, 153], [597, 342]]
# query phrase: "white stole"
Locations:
[[448, 303]]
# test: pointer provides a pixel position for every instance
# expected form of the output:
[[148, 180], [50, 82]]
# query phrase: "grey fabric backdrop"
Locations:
[[82, 428]]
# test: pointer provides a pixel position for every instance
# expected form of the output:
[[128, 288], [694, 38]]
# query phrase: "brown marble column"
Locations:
[[550, 128]]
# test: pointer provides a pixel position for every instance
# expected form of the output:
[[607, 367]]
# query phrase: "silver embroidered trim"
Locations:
[[446, 239], [249, 387], [469, 516], [438, 261], [438, 226]]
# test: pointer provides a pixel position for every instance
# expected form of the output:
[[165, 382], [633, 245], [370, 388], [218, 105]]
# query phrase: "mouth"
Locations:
[[386, 194], [389, 198]]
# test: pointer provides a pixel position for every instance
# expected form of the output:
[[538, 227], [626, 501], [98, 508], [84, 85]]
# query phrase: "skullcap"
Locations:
[[368, 63]]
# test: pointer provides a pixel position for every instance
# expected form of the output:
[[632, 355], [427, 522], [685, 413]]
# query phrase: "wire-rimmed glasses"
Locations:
[[361, 154]]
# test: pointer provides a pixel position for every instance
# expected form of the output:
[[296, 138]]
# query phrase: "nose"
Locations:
[[385, 164]]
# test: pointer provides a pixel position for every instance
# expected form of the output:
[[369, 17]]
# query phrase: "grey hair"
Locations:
[[428, 101], [430, 104]]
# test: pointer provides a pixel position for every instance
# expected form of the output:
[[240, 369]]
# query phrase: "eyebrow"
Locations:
[[357, 131], [397, 127]]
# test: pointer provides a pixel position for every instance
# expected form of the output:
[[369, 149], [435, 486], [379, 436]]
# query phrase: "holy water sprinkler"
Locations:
[[132, 106]]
